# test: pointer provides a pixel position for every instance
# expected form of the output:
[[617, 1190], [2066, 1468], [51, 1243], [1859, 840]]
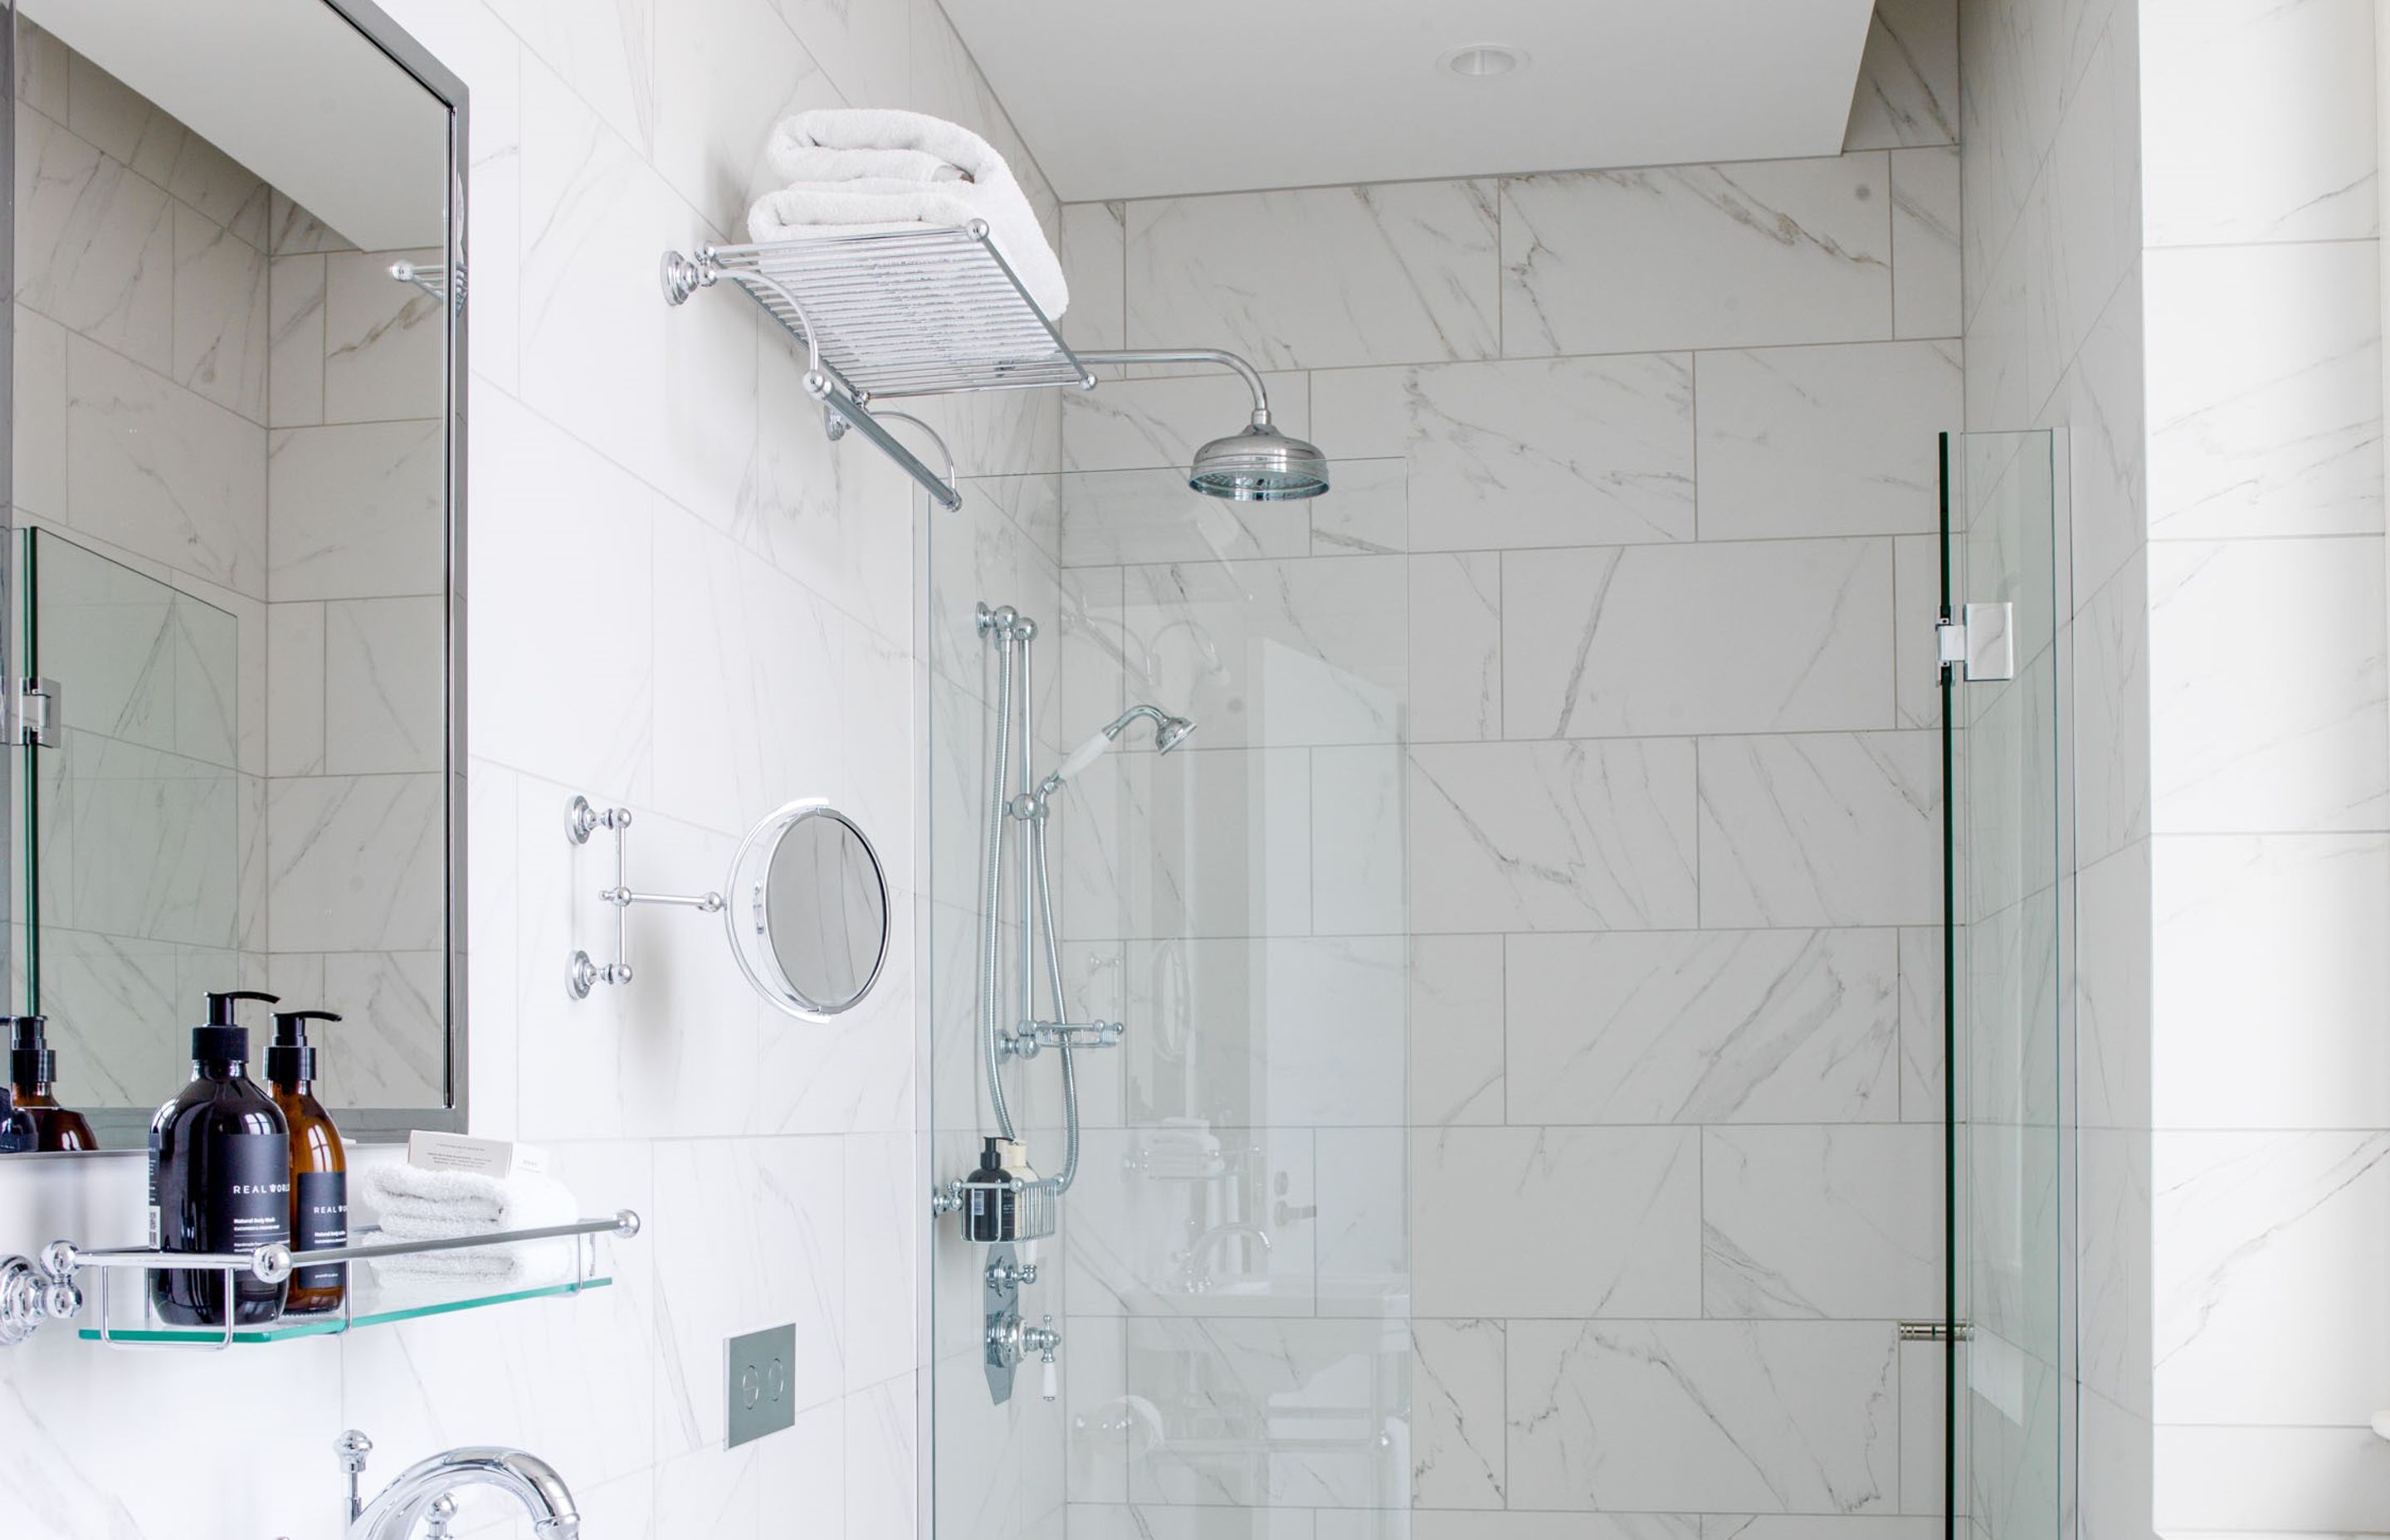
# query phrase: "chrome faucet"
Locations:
[[423, 1491], [1195, 1262]]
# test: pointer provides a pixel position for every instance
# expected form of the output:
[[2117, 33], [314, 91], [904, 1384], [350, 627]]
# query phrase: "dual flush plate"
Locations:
[[759, 1397]]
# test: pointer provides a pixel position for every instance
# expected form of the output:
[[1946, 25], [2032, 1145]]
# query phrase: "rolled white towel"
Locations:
[[866, 193], [415, 1204]]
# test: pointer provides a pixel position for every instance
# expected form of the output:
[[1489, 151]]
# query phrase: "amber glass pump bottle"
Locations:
[[33, 1066], [319, 1166]]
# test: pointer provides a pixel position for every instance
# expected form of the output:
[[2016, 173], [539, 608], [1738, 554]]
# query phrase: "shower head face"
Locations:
[[1171, 733], [1259, 465]]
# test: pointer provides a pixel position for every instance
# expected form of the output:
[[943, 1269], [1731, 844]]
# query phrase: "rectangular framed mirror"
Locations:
[[235, 555]]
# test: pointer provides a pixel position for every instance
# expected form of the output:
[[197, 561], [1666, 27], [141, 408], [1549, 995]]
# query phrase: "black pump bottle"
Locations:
[[319, 1167], [33, 1066], [219, 1176]]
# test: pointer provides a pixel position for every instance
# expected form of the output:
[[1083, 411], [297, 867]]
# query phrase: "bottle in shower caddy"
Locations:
[[219, 1177], [18, 1135], [992, 1211]]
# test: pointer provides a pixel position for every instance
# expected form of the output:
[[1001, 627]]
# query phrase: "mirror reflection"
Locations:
[[231, 521], [809, 914]]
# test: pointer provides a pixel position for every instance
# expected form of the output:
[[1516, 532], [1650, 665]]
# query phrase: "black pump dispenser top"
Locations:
[[222, 1041], [292, 1057], [32, 1060]]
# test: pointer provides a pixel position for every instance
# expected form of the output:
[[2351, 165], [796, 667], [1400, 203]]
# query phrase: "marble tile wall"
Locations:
[[1669, 827], [683, 600], [2267, 803]]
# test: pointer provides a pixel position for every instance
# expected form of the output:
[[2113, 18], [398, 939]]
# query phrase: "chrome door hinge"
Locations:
[[35, 715], [1934, 1331], [1981, 643]]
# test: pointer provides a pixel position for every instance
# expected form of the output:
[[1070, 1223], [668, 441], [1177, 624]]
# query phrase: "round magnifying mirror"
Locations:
[[808, 910]]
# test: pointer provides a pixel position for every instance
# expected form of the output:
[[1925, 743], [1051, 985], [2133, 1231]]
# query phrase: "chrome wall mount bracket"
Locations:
[[35, 719], [1936, 1331], [583, 973], [1981, 643], [31, 1295]]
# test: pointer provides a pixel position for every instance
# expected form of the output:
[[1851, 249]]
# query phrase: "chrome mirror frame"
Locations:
[[748, 931]]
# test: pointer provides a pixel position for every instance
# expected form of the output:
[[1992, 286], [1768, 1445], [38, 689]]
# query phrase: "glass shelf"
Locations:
[[373, 1304]]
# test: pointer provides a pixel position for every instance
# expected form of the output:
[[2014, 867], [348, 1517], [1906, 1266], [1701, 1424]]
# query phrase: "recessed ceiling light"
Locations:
[[1480, 59]]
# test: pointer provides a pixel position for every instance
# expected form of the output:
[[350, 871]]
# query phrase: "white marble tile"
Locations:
[[356, 862], [1456, 1010], [1708, 1027], [294, 686], [219, 314], [1458, 1438], [1484, 1239], [2279, 1479], [1643, 639], [881, 1257], [385, 343], [2083, 231], [725, 71], [2112, 1257], [38, 462], [1361, 1234], [1553, 837], [358, 510], [1908, 77], [2256, 1240], [1925, 210], [2112, 703], [2280, 929], [1825, 828], [1824, 441], [1282, 653], [2257, 123], [749, 1233], [1455, 647], [1821, 1223], [1094, 248], [163, 472], [1147, 859], [2265, 390], [295, 340], [1922, 967], [392, 1048], [2106, 445], [607, 53], [1417, 282], [1526, 452], [95, 244], [1358, 857], [1761, 1416], [2270, 705], [1159, 422], [1767, 251], [385, 685]]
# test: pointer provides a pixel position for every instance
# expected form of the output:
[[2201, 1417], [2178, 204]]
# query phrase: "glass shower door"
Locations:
[[2007, 909], [1231, 1278]]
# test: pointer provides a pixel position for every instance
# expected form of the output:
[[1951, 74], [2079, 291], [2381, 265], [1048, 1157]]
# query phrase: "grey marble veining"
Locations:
[[1702, 1027], [1908, 77], [1418, 282], [1741, 255], [1770, 1417]]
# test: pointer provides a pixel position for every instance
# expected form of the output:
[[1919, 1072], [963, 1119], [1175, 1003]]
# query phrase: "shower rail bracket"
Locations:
[[1033, 1037], [582, 974]]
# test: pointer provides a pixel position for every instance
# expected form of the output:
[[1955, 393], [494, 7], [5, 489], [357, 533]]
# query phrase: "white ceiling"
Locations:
[[291, 91], [1140, 98]]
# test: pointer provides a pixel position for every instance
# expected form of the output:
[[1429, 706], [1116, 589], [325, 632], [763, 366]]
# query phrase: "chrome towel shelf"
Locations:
[[908, 313]]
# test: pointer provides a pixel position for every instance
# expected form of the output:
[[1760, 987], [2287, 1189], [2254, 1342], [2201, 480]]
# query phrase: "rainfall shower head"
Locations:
[[1257, 464], [1169, 732]]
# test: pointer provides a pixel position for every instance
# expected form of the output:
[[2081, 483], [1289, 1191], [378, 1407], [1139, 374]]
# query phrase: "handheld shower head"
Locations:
[[1169, 732]]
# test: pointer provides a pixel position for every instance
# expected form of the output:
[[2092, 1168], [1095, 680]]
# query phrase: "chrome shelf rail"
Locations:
[[906, 313], [31, 1293]]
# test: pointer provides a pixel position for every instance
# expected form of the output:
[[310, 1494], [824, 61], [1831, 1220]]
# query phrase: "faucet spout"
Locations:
[[529, 1480]]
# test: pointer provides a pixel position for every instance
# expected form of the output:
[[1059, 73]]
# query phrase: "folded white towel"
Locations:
[[530, 1264], [863, 191], [415, 1204]]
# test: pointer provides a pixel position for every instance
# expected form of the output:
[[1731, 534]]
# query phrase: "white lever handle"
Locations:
[[1052, 1389]]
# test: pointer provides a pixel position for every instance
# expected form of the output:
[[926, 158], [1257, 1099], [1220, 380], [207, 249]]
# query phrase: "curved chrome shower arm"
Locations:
[[1215, 356]]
